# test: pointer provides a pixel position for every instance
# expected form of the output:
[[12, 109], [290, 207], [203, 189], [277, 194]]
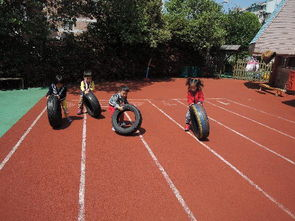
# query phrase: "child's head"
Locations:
[[59, 81], [124, 91], [87, 76], [194, 84]]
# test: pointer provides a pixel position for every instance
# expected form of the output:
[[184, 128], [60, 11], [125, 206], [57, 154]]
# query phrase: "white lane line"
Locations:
[[208, 98], [16, 146], [167, 178], [145, 99], [107, 100], [131, 99], [254, 121], [281, 206], [81, 215], [248, 138], [136, 103], [224, 103], [261, 111]]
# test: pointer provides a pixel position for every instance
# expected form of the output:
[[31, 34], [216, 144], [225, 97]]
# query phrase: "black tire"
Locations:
[[54, 112], [134, 127], [92, 105], [200, 122]]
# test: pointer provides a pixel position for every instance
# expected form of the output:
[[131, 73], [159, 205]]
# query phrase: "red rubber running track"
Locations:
[[245, 171]]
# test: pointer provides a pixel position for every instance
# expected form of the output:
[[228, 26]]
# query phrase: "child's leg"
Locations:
[[121, 118], [65, 108], [112, 110], [188, 117], [187, 120]]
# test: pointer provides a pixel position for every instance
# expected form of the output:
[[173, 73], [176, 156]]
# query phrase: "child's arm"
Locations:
[[92, 86], [201, 97], [126, 101], [63, 93], [50, 91], [114, 101], [82, 86]]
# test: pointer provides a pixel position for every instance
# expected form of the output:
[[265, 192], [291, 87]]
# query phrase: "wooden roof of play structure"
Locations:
[[230, 47], [278, 33]]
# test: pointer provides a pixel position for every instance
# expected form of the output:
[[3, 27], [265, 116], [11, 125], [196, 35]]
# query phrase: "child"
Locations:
[[117, 101], [86, 85], [60, 91], [194, 95]]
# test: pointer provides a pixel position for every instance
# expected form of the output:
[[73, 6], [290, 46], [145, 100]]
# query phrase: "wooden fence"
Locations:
[[262, 74]]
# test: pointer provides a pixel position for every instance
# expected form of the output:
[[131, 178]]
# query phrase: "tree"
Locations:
[[23, 33], [125, 34], [197, 23], [241, 28], [126, 37], [128, 22]]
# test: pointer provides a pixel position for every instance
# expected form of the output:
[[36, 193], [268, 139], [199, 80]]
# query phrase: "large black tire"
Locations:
[[200, 122], [92, 105], [54, 112], [134, 127]]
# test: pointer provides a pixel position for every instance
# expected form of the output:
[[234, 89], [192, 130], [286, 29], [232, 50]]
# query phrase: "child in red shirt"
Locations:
[[194, 96]]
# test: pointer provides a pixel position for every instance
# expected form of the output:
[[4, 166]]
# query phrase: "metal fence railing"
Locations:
[[262, 74]]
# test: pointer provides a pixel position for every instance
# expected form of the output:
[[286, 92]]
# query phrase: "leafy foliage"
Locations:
[[196, 22], [241, 28]]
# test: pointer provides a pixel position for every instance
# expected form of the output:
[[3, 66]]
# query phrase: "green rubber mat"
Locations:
[[16, 103]]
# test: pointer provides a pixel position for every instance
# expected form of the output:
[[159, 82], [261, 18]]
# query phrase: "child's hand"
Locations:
[[191, 104], [120, 108]]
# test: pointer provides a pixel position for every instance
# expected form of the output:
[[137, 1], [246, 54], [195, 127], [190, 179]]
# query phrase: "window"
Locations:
[[290, 63], [68, 26], [287, 62]]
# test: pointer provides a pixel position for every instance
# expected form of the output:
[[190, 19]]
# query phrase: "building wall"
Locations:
[[259, 9], [82, 24], [281, 70], [282, 77], [77, 29]]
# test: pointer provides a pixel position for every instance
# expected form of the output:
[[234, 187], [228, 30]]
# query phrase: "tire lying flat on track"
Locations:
[[200, 122], [135, 125], [92, 105], [54, 112]]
